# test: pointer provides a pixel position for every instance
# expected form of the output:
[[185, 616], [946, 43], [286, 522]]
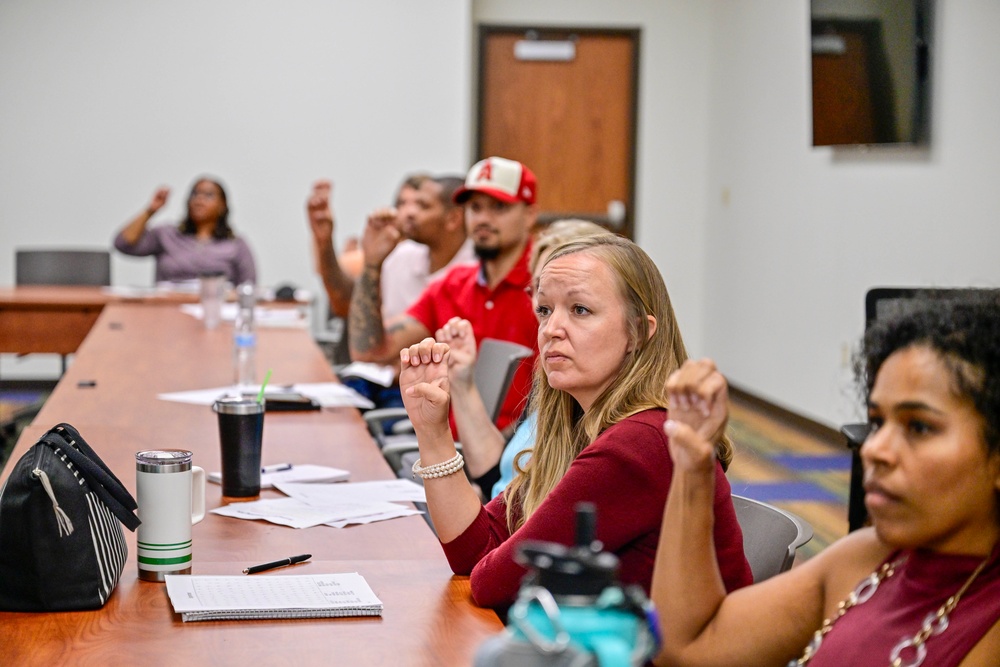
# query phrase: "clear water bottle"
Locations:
[[245, 341]]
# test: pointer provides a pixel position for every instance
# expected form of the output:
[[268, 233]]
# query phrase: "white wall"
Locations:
[[806, 231], [102, 101]]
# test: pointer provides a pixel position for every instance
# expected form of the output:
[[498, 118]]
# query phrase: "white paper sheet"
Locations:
[[397, 490], [395, 514], [380, 375], [297, 514], [263, 316], [304, 473], [327, 394]]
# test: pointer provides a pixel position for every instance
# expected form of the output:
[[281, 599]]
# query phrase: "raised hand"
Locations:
[[423, 382], [158, 199], [319, 211], [381, 235], [458, 334], [699, 409]]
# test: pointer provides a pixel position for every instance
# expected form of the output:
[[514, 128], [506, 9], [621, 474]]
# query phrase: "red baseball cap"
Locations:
[[506, 180]]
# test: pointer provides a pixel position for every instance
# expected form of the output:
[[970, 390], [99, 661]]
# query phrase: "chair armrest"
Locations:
[[375, 420]]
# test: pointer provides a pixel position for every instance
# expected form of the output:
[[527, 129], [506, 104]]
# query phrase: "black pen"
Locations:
[[278, 563]]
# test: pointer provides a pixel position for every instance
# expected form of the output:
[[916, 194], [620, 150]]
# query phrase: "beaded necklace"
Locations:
[[934, 623]]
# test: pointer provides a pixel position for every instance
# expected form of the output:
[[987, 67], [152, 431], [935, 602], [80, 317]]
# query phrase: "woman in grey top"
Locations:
[[203, 243]]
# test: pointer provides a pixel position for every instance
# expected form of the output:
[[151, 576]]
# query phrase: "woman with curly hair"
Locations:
[[929, 565]]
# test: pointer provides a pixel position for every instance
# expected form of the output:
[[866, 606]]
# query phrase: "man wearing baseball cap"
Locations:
[[499, 201]]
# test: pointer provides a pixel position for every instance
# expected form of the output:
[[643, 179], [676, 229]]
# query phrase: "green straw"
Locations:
[[263, 386]]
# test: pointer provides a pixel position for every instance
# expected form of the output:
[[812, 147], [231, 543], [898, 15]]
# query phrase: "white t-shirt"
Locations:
[[406, 273]]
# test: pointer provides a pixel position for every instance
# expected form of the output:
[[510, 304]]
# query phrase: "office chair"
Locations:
[[882, 302], [62, 267], [496, 363], [770, 536]]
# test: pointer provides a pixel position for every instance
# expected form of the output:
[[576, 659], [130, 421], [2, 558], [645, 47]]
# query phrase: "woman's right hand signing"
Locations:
[[699, 409], [158, 200], [457, 333], [423, 382]]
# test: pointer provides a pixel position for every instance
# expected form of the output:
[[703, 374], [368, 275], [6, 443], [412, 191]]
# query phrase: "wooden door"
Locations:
[[572, 120]]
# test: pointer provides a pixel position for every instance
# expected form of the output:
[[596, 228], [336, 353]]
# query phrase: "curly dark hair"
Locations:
[[222, 229], [965, 333]]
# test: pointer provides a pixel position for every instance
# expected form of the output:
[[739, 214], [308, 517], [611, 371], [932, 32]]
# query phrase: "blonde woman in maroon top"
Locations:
[[929, 567], [607, 339]]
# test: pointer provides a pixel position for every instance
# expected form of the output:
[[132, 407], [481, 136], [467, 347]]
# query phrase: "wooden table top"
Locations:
[[135, 352], [44, 297]]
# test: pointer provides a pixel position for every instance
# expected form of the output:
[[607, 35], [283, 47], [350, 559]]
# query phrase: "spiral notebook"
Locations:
[[242, 597]]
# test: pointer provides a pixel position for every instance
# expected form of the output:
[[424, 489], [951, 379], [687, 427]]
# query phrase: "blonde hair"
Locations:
[[562, 429], [558, 233]]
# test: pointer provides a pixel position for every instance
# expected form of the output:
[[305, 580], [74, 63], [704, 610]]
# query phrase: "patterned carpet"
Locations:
[[797, 471]]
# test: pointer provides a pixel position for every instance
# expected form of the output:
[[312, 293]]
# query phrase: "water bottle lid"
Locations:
[[163, 460], [238, 405], [247, 295]]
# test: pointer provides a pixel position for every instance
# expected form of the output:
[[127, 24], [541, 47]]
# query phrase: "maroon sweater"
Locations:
[[626, 474]]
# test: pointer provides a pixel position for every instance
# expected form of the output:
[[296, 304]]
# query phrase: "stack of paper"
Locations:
[[303, 473], [263, 316], [327, 394], [335, 505], [209, 598]]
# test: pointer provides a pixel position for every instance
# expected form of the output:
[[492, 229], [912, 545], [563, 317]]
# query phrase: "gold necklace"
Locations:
[[934, 623]]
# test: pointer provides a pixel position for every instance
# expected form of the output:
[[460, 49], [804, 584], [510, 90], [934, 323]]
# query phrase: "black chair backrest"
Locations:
[[62, 267]]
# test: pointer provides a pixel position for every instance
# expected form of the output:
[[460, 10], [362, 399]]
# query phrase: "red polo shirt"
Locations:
[[504, 313]]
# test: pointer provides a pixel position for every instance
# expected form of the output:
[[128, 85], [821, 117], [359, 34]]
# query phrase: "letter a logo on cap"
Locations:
[[506, 180], [486, 173]]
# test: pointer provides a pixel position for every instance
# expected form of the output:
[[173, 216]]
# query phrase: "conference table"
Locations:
[[132, 353], [52, 319]]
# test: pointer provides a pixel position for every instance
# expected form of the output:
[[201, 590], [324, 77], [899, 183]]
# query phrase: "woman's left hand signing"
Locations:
[[423, 382]]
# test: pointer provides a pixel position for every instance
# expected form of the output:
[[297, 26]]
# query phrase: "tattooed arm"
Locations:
[[370, 339], [338, 284]]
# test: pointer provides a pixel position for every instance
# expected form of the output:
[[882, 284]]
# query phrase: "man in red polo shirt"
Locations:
[[499, 200]]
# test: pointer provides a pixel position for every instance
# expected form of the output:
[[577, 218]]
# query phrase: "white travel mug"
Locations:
[[171, 497]]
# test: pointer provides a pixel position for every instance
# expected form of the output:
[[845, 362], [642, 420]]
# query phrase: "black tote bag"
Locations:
[[61, 513]]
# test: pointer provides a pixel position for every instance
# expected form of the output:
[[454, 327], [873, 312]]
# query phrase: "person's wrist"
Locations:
[[434, 438]]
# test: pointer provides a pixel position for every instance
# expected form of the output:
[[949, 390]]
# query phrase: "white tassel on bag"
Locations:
[[65, 525]]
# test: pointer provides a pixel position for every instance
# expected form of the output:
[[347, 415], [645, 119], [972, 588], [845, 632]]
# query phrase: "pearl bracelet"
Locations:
[[449, 467]]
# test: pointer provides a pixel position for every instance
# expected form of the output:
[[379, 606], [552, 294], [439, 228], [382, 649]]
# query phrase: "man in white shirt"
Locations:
[[430, 237]]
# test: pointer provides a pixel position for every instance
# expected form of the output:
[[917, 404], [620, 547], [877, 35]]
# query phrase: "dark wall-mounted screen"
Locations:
[[871, 71]]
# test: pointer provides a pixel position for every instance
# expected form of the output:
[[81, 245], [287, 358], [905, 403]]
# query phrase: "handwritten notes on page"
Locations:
[[207, 598]]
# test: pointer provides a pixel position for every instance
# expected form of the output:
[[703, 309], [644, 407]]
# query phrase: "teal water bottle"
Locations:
[[571, 610]]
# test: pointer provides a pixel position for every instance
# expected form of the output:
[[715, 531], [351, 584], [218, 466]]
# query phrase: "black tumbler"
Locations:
[[241, 431]]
